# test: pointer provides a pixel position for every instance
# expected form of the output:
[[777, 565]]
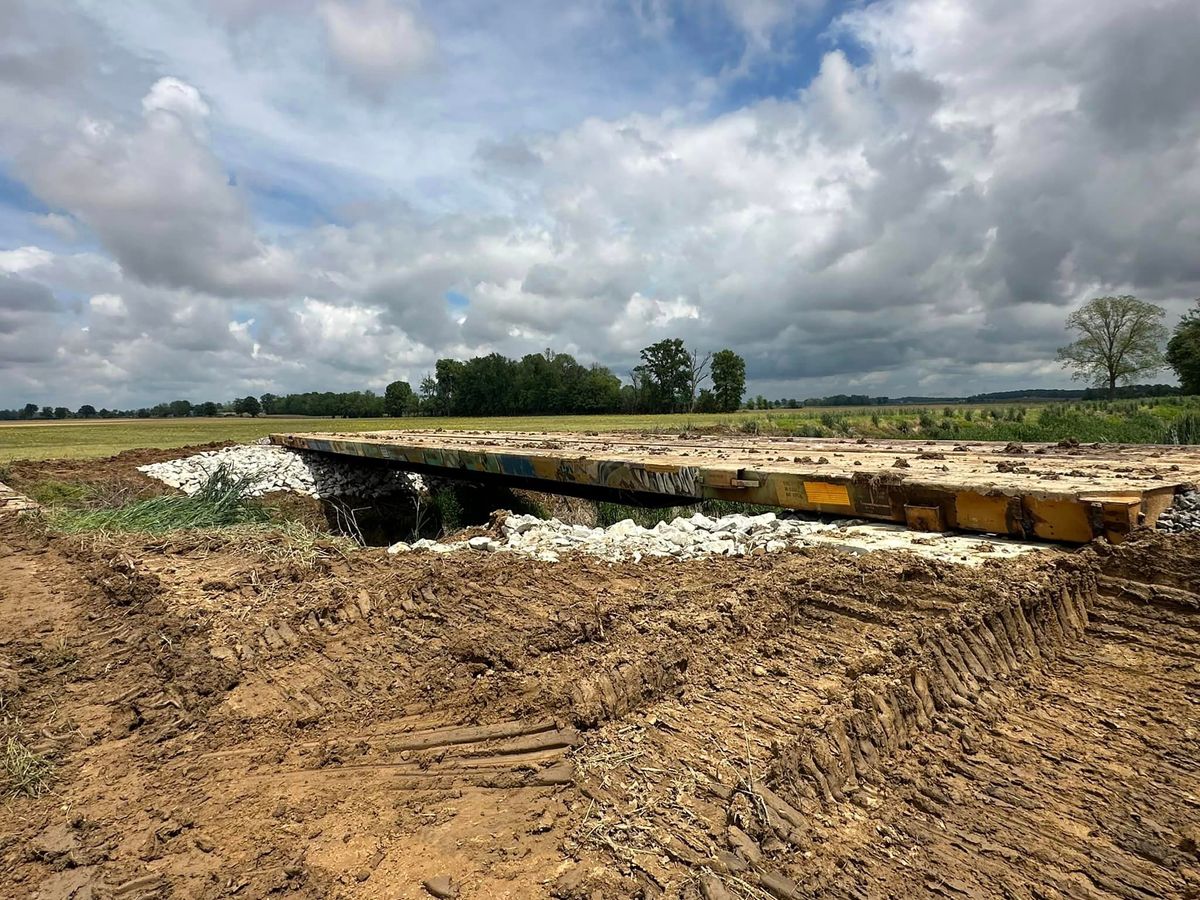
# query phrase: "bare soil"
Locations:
[[243, 717]]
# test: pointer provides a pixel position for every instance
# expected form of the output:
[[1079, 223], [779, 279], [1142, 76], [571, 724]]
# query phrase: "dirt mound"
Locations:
[[112, 480]]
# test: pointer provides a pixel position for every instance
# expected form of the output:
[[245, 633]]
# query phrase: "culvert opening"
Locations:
[[442, 509]]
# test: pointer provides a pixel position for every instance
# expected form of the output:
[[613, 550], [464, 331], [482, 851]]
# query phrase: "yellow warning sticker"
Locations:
[[822, 493]]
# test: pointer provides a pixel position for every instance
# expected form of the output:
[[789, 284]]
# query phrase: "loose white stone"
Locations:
[[271, 468]]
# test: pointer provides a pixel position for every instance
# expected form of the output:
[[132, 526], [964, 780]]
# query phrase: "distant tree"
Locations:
[[428, 394], [86, 411], [207, 408], [729, 380], [61, 412], [180, 409], [1183, 351], [665, 375], [484, 386], [697, 372], [447, 373], [706, 402], [268, 403], [1119, 337], [47, 412], [29, 410], [600, 391], [247, 406]]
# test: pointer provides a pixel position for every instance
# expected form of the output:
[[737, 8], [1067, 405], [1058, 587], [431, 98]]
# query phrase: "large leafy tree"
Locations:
[[1119, 338], [247, 406], [665, 376], [484, 387], [1183, 351], [556, 383], [447, 373], [399, 399], [729, 380]]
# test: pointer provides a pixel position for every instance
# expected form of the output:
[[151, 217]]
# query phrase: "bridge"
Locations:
[[1055, 492]]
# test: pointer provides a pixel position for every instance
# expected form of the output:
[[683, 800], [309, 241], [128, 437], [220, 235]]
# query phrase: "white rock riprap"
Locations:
[[275, 468], [735, 535]]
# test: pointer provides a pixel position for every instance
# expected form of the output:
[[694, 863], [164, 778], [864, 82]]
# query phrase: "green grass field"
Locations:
[[97, 437], [1157, 420]]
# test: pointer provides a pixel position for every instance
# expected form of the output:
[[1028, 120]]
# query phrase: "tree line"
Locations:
[[1118, 338], [669, 378]]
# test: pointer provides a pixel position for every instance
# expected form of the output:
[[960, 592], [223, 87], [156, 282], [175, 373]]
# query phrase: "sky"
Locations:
[[204, 199]]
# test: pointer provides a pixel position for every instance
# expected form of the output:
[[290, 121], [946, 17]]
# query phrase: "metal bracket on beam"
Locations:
[[924, 518]]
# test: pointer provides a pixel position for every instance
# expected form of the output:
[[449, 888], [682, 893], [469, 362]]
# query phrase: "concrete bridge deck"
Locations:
[[1052, 492]]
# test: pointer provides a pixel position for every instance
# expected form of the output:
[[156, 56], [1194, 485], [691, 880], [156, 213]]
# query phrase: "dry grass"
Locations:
[[289, 541], [24, 772]]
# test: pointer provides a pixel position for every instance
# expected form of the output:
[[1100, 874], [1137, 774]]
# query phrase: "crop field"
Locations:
[[1152, 421]]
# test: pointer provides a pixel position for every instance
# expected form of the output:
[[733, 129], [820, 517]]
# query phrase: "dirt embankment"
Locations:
[[262, 718]]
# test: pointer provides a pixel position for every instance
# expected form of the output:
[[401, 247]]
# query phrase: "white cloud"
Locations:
[[761, 18], [23, 259], [107, 304], [177, 97], [925, 217], [157, 197], [377, 41]]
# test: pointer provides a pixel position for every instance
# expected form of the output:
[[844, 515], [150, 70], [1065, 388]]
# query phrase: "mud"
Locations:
[[260, 719]]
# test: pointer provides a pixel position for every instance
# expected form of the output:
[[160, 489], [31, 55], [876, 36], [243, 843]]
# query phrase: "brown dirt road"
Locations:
[[246, 720]]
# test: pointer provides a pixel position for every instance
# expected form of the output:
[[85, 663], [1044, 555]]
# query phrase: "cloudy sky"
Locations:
[[207, 198]]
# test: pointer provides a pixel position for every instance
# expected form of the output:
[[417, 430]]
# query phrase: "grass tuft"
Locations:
[[221, 501], [25, 773], [1185, 430], [52, 492]]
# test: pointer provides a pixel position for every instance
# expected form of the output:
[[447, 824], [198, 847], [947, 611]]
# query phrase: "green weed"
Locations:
[[1184, 430], [221, 501], [51, 492]]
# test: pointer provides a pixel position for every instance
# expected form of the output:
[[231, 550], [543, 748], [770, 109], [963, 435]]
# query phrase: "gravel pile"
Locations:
[[1184, 514], [700, 535], [280, 469]]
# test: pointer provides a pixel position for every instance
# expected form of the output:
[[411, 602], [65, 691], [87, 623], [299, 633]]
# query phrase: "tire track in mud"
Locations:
[[994, 756], [408, 753], [178, 797], [1085, 789]]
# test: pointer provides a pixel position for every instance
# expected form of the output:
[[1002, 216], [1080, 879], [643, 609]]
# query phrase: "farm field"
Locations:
[[1159, 420]]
